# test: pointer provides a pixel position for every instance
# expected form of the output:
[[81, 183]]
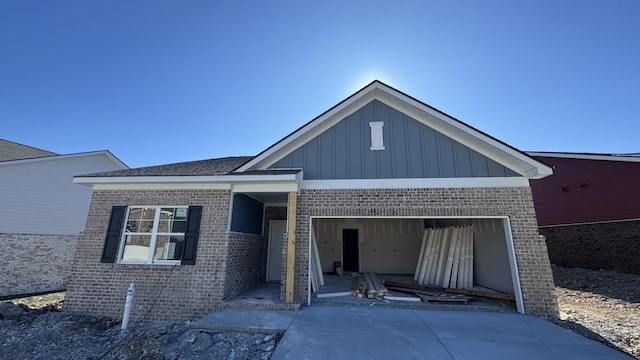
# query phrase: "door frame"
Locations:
[[269, 257]]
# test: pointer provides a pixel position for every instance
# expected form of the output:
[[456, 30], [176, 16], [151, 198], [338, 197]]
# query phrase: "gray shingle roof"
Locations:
[[208, 167], [10, 150]]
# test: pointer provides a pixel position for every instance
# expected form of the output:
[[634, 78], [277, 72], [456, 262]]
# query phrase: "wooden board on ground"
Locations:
[[450, 299], [388, 283], [401, 298], [415, 291], [335, 294], [371, 288], [481, 293], [377, 284]]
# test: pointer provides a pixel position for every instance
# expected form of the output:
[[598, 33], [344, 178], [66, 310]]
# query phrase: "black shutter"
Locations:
[[110, 250], [191, 235]]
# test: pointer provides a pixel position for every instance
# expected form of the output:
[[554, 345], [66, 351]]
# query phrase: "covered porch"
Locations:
[[260, 235]]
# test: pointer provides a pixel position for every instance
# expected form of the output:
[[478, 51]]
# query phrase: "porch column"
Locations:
[[291, 247]]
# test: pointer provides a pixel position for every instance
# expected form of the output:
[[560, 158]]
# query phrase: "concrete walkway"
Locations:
[[320, 332]]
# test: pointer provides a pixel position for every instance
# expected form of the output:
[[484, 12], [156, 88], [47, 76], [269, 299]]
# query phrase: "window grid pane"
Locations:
[[144, 243], [136, 248]]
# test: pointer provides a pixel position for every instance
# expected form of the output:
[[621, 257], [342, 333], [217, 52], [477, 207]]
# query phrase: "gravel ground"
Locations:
[[601, 305], [49, 334]]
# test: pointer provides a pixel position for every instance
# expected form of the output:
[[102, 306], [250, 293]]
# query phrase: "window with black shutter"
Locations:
[[152, 235]]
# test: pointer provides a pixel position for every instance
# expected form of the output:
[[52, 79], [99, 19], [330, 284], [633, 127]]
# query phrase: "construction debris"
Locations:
[[315, 271], [443, 298], [401, 298], [426, 293], [369, 285], [446, 257], [503, 298], [375, 286], [335, 294]]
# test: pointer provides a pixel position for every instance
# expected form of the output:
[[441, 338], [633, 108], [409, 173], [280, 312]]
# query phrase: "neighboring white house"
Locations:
[[42, 213]]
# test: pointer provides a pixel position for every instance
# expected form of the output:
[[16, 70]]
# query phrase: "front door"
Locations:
[[277, 230]]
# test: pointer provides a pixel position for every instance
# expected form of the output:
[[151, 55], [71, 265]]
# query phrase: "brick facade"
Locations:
[[227, 263], [608, 245], [38, 263], [182, 291], [245, 263], [531, 253]]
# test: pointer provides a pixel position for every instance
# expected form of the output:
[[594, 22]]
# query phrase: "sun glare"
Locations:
[[367, 76]]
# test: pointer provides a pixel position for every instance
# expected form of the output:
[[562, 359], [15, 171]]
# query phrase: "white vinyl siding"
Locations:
[[39, 197]]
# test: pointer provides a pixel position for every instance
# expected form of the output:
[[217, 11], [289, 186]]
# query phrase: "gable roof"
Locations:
[[55, 157], [10, 150], [201, 171], [475, 139], [633, 157]]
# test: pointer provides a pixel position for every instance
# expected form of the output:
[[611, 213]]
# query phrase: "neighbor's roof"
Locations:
[[210, 167], [630, 157], [56, 157], [10, 150]]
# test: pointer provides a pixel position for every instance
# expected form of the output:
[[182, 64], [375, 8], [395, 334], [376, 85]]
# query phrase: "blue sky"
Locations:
[[158, 82]]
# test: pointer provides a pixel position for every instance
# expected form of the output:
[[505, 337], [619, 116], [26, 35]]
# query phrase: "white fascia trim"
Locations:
[[587, 156], [589, 223], [107, 154], [115, 160], [161, 186], [313, 128], [525, 165], [428, 217], [185, 179], [264, 187], [421, 183], [519, 162]]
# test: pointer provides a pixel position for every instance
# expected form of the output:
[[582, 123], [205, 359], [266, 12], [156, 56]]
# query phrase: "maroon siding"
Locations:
[[582, 190]]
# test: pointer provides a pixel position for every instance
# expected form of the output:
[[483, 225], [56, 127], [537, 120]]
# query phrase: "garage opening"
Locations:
[[413, 261]]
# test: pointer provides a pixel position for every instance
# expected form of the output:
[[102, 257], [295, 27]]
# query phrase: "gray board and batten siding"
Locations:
[[411, 150], [247, 215]]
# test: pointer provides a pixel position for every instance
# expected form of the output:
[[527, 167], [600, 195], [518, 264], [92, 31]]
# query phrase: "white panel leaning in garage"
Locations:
[[381, 189]]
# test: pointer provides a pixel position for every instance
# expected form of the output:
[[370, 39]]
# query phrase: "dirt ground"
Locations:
[[43, 332], [601, 305]]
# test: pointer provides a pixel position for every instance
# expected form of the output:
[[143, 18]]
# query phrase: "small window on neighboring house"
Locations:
[[377, 141], [153, 235]]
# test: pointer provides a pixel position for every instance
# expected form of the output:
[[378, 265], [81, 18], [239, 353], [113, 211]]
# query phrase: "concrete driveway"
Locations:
[[323, 332]]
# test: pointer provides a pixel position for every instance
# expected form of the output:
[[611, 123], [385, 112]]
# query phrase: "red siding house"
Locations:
[[589, 210]]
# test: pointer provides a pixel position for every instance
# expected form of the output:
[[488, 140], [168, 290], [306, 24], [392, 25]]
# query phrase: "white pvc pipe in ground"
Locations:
[[127, 307]]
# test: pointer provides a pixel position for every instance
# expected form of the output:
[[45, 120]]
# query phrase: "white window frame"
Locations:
[[154, 236]]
